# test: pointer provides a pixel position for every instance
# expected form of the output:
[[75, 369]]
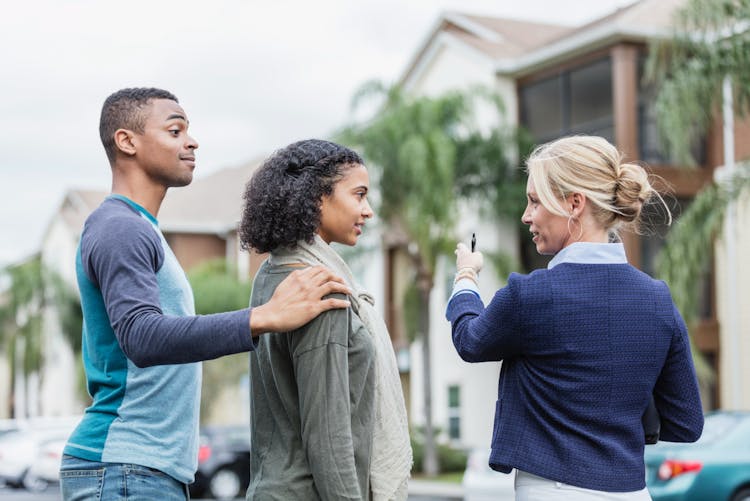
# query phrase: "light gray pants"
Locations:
[[533, 488]]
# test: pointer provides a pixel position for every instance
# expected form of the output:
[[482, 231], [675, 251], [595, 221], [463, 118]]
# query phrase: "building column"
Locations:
[[625, 108]]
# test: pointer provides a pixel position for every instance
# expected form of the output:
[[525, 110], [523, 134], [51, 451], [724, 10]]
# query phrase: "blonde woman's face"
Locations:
[[550, 231]]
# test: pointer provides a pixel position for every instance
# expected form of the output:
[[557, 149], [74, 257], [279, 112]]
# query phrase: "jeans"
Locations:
[[82, 480]]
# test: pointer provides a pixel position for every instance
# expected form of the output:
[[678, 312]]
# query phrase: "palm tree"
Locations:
[[21, 322], [420, 148], [710, 46], [710, 42]]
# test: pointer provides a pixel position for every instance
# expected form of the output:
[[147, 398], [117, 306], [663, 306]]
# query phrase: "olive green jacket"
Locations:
[[312, 405]]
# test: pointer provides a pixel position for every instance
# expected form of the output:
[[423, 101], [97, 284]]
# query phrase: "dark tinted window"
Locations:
[[576, 101]]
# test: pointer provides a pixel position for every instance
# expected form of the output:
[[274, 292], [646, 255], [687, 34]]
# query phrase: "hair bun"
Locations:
[[632, 189]]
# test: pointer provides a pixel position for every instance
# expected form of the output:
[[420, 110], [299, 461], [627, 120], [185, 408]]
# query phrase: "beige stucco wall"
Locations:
[[57, 393], [448, 66], [734, 352]]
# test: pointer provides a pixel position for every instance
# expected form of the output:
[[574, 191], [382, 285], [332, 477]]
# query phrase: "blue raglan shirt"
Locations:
[[141, 342]]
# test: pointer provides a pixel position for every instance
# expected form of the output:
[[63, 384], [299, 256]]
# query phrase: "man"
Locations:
[[139, 438]]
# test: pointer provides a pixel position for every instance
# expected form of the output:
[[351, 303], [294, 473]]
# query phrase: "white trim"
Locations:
[[473, 27], [579, 43]]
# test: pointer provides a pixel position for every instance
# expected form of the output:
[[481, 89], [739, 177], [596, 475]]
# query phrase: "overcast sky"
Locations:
[[252, 76]]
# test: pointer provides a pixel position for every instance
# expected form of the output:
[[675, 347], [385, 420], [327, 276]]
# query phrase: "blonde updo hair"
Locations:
[[592, 166]]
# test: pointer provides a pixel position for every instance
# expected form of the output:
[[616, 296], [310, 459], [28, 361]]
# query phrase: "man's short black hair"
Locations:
[[282, 199], [124, 110]]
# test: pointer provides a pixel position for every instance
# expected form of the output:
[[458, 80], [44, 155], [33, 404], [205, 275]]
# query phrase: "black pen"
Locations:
[[473, 241]]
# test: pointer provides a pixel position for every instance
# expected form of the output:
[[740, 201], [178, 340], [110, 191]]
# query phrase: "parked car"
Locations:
[[482, 483], [20, 448], [716, 467], [46, 465], [7, 425], [223, 463]]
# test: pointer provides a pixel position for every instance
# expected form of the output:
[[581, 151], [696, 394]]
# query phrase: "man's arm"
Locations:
[[123, 264]]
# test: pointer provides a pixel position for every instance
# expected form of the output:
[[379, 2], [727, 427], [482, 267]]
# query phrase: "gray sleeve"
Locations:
[[121, 257], [322, 374]]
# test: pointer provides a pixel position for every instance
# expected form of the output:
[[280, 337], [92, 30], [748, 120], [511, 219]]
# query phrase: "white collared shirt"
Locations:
[[590, 253], [577, 252]]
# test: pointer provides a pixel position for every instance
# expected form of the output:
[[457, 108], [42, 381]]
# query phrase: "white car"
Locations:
[[19, 450], [482, 483], [46, 466], [7, 425]]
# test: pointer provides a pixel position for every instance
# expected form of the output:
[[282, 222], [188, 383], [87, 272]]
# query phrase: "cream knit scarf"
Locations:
[[391, 459]]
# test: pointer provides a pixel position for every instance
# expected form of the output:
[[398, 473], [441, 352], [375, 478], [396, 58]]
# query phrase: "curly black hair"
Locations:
[[124, 110], [283, 197]]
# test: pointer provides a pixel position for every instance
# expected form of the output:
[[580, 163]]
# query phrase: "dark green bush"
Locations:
[[449, 459]]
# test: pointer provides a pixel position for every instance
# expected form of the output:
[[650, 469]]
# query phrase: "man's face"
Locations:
[[165, 150]]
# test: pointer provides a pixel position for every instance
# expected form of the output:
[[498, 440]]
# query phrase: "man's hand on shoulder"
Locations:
[[298, 299]]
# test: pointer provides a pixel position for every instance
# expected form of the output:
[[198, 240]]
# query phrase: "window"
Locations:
[[541, 108], [454, 412], [591, 100], [576, 101]]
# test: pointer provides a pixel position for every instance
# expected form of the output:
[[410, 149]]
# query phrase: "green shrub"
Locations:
[[449, 459]]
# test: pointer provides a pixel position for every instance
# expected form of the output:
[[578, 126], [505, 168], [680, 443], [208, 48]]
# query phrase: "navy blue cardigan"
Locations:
[[583, 347]]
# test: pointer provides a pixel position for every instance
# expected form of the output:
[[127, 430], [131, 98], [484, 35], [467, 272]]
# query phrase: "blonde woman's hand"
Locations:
[[465, 259]]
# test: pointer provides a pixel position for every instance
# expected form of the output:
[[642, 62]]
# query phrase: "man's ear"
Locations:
[[124, 141]]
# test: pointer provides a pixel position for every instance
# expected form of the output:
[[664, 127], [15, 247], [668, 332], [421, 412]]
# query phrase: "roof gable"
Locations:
[[489, 38], [515, 47]]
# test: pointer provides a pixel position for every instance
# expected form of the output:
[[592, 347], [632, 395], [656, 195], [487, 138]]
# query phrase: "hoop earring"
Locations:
[[575, 220]]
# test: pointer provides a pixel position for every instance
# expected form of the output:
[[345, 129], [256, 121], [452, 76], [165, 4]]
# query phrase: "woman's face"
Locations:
[[343, 213], [550, 231]]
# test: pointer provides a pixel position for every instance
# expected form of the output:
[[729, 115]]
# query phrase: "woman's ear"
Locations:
[[124, 141], [577, 203]]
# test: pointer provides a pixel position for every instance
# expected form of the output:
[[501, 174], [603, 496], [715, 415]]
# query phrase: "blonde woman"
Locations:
[[584, 343]]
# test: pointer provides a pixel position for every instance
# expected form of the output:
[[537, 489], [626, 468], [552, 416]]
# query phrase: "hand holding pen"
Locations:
[[469, 261]]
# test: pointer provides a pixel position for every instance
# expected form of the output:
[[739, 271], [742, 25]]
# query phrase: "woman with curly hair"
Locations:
[[328, 419]]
